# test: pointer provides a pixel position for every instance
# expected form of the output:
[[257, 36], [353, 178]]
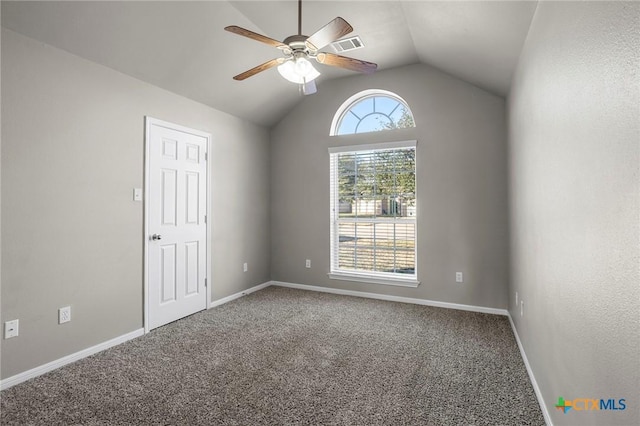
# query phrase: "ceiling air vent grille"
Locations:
[[347, 44]]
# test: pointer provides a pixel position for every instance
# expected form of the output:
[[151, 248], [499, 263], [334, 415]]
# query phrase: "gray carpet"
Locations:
[[282, 356]]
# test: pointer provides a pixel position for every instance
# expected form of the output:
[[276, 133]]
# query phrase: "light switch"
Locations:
[[137, 194]]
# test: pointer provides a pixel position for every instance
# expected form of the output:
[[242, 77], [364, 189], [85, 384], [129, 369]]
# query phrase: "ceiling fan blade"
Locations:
[[255, 36], [309, 88], [330, 32], [262, 67], [345, 62]]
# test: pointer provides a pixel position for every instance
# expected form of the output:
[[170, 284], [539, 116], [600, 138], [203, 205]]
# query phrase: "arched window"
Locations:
[[371, 111]]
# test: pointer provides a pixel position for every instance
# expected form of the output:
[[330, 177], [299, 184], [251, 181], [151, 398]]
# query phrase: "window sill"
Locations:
[[411, 282]]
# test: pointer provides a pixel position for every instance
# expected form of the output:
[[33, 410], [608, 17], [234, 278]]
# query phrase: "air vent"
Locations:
[[347, 44]]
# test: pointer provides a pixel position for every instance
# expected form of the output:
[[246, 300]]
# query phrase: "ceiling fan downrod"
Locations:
[[299, 17], [298, 49]]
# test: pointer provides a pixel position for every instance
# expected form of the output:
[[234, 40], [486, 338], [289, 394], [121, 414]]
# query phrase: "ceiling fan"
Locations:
[[298, 49]]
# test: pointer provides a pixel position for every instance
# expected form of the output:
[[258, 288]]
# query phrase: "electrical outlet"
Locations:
[[459, 277], [64, 314], [522, 308], [245, 267], [11, 329], [307, 263]]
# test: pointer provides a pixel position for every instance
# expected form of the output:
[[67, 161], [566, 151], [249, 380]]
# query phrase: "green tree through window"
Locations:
[[373, 111], [374, 211]]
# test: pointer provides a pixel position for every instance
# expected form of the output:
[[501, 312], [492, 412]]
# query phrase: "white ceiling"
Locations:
[[181, 45]]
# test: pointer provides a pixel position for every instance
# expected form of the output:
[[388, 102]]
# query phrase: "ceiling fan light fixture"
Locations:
[[298, 71], [298, 48]]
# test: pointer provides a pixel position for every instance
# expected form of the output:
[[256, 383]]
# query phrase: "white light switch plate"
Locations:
[[137, 194]]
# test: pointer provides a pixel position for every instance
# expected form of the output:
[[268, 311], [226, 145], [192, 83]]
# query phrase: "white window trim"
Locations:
[[363, 276], [372, 146], [366, 278], [346, 105]]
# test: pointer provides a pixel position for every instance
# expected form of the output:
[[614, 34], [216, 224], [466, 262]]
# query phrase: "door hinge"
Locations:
[[206, 156], [205, 218], [205, 282]]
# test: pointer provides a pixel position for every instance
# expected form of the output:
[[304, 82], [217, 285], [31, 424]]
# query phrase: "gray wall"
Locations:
[[72, 151], [461, 184], [574, 136]]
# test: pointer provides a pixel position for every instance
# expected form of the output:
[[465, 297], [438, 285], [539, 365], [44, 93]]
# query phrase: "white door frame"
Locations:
[[149, 121]]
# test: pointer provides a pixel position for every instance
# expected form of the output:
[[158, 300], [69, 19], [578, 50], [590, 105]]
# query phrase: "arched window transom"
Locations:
[[372, 111]]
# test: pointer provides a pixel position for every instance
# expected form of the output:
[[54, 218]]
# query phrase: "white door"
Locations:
[[177, 229]]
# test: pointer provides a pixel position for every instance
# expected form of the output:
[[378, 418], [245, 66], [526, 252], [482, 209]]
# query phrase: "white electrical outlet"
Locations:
[[11, 329], [307, 263], [245, 267], [64, 314], [522, 308], [459, 277], [137, 194]]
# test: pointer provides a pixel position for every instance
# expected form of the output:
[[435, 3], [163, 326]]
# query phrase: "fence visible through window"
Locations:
[[374, 210]]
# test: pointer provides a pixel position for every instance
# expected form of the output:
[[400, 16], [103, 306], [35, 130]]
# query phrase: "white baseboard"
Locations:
[[34, 372], [238, 295], [496, 311], [412, 300], [534, 383], [45, 368]]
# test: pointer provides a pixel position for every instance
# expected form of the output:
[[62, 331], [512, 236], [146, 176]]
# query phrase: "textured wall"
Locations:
[[72, 151], [574, 136], [461, 186]]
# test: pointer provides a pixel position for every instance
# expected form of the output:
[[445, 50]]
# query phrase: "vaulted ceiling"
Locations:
[[181, 45]]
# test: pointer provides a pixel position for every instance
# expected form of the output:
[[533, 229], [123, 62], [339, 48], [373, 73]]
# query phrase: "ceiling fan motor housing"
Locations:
[[299, 48], [296, 42]]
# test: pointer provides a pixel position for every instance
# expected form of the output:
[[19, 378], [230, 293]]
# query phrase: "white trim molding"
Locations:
[[534, 383], [371, 274], [372, 146], [239, 294], [481, 309], [50, 366], [425, 302], [371, 279]]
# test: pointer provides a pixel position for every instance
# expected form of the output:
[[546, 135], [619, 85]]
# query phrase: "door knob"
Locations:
[[156, 237]]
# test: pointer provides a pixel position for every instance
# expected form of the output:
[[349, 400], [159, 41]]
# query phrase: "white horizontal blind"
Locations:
[[373, 211]]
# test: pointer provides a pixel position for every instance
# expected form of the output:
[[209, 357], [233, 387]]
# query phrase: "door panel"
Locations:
[[192, 201], [169, 195], [191, 262], [177, 227], [168, 273]]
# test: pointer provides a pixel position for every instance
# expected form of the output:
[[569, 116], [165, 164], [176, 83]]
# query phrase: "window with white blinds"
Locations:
[[373, 213]]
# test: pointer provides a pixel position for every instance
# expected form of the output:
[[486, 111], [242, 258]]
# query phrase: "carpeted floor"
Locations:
[[282, 356]]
